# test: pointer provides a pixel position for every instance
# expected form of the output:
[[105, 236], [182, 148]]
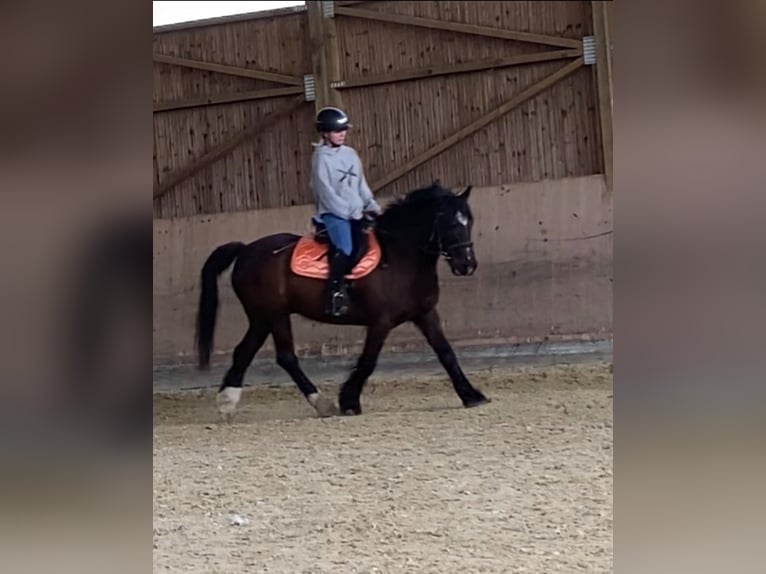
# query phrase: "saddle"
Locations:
[[310, 256]]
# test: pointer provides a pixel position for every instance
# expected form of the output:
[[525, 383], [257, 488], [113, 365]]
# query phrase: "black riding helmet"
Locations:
[[332, 120]]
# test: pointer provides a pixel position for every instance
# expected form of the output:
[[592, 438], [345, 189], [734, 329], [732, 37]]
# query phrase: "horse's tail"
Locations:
[[220, 259]]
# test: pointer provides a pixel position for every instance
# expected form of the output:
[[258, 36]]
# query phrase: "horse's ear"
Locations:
[[466, 194]]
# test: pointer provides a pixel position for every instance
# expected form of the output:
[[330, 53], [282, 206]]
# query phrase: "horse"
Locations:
[[412, 233]]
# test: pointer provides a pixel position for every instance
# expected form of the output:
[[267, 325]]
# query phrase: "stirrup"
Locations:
[[339, 304]]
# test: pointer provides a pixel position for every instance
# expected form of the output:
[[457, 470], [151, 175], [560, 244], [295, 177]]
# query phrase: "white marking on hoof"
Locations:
[[324, 406], [228, 399]]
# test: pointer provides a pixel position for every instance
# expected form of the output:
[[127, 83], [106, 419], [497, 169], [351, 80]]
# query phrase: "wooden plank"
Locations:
[[225, 147], [483, 121], [230, 70], [458, 27], [226, 99], [604, 81], [458, 68]]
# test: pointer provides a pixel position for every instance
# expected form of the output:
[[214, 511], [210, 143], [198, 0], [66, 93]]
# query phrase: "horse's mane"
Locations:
[[415, 207]]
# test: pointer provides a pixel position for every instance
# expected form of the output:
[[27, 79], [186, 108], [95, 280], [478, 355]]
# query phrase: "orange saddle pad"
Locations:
[[309, 258]]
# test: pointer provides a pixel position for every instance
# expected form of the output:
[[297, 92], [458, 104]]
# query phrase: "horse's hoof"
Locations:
[[350, 408], [228, 399], [349, 405], [477, 402], [324, 406]]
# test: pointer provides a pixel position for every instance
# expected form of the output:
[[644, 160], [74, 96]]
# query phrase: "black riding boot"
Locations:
[[336, 293]]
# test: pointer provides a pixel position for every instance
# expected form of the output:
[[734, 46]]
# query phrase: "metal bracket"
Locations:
[[589, 50], [309, 87], [328, 8]]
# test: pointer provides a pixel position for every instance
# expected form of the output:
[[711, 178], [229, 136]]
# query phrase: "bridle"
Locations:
[[442, 249]]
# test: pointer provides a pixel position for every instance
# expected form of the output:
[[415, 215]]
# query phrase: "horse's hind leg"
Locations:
[[282, 333], [231, 387]]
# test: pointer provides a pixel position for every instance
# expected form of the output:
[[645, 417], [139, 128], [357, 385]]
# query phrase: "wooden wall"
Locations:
[[551, 136], [267, 170]]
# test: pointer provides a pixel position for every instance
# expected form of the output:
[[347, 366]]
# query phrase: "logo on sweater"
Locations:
[[347, 173]]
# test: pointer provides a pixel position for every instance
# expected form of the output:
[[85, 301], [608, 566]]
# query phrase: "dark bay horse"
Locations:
[[412, 232]]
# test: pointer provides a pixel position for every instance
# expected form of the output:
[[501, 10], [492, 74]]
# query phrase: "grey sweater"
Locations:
[[338, 183]]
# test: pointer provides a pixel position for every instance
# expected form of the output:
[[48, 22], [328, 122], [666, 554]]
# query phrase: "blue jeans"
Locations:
[[339, 231]]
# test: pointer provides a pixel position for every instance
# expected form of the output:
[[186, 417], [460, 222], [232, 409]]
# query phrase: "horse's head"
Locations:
[[437, 221], [452, 233]]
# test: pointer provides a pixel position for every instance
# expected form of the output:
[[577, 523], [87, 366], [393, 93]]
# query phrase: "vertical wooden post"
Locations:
[[325, 60], [333, 59], [601, 30], [318, 57]]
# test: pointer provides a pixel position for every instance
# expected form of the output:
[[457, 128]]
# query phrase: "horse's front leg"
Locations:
[[350, 393], [430, 325]]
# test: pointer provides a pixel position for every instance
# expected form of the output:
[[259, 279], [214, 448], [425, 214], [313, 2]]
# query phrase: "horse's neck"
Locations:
[[409, 251], [410, 235]]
